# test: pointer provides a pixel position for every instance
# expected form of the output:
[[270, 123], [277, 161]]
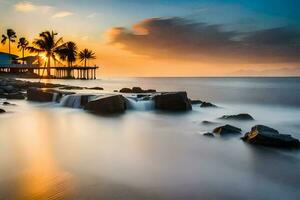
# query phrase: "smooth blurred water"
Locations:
[[50, 152]]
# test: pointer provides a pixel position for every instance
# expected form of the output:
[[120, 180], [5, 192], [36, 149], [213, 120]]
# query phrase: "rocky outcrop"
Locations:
[[266, 136], [242, 116], [136, 90], [227, 130], [40, 95], [207, 105], [108, 104], [2, 111], [172, 101]]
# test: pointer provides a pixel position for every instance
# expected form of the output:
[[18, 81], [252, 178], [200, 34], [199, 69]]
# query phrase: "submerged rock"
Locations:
[[71, 88], [2, 111], [208, 134], [193, 102], [207, 105], [266, 136], [227, 129], [242, 116], [5, 103], [95, 88], [108, 104], [173, 101], [136, 90], [205, 122]]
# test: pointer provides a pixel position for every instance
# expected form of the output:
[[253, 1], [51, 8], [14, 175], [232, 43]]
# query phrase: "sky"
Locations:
[[169, 37]]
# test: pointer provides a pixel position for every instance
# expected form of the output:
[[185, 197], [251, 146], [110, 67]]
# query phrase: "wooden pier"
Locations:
[[77, 72]]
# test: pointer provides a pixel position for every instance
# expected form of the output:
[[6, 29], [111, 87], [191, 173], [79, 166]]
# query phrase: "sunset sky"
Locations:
[[170, 37]]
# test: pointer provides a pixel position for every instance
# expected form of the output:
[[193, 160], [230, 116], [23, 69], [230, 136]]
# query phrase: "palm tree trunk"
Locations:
[[23, 56], [85, 62], [48, 66], [8, 46]]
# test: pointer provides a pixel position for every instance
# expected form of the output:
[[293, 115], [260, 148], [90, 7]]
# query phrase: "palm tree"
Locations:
[[22, 45], [48, 44], [10, 36], [86, 55], [68, 52]]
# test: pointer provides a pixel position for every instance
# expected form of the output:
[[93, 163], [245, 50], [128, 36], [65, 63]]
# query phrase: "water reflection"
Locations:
[[41, 176]]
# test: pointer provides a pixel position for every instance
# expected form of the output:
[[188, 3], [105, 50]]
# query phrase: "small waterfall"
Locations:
[[142, 105], [55, 97], [72, 101]]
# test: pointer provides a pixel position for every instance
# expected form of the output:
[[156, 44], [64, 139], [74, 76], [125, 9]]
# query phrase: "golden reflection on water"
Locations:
[[41, 177]]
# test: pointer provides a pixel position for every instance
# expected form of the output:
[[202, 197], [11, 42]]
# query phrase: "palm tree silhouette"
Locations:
[[86, 55], [48, 44], [68, 52], [10, 36], [22, 45]]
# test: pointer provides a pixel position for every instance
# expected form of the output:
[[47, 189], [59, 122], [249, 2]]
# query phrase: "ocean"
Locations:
[[53, 152]]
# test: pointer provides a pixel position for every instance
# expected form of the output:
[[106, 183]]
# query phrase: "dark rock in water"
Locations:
[[108, 104], [242, 116], [17, 95], [9, 89], [136, 90], [2, 111], [41, 95], [205, 122], [266, 136], [193, 102], [71, 88], [207, 105], [173, 101], [126, 90], [95, 88], [2, 91], [45, 95], [208, 134], [227, 129], [5, 103], [116, 91], [150, 91]]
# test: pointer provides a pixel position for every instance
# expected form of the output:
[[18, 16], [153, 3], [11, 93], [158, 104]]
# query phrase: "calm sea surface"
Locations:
[[51, 152]]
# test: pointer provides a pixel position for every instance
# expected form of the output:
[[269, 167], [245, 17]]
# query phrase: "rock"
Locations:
[[9, 89], [150, 91], [193, 102], [266, 136], [126, 90], [208, 134], [172, 101], [242, 116], [71, 88], [108, 104], [2, 91], [207, 105], [205, 122], [95, 88], [136, 90], [2, 111], [227, 129], [5, 103], [16, 95], [41, 95], [116, 91]]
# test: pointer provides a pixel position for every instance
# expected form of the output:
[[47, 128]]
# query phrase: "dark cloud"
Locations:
[[180, 38]]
